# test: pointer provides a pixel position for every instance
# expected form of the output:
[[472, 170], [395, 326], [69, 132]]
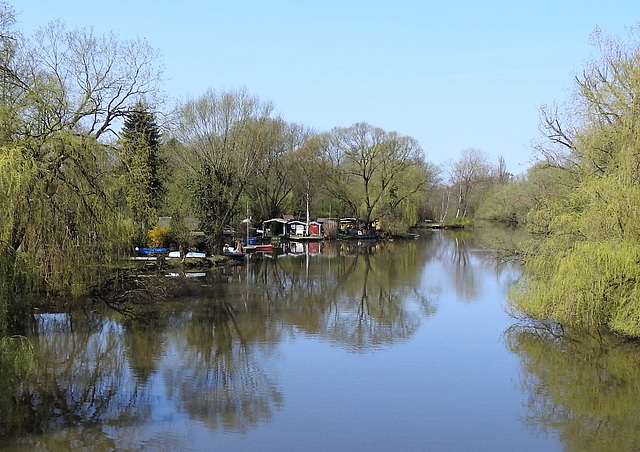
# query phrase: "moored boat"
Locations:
[[234, 255], [150, 251], [188, 255]]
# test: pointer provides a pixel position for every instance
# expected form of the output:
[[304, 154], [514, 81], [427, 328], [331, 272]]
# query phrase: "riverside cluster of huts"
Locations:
[[288, 228], [276, 231]]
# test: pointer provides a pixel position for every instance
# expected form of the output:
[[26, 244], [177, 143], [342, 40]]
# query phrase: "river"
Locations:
[[401, 345]]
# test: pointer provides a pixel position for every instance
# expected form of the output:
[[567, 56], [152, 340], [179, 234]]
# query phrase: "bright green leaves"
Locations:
[[586, 269], [593, 284]]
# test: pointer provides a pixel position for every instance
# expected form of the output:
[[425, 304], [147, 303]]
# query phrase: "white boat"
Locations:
[[189, 255]]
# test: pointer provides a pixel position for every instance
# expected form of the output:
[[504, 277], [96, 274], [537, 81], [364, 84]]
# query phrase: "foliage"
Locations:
[[367, 164], [180, 234], [63, 92], [584, 388], [308, 173], [225, 136], [143, 167], [595, 284], [288, 174], [57, 210], [157, 236], [583, 271], [459, 222], [20, 284], [511, 202], [466, 174], [16, 359]]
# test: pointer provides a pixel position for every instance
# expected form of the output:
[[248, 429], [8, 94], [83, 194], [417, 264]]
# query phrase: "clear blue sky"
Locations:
[[452, 75]]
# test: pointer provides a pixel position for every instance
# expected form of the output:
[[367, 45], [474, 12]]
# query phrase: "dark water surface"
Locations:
[[389, 346]]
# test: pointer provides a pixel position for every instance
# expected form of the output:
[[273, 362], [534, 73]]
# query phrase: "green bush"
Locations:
[[459, 222]]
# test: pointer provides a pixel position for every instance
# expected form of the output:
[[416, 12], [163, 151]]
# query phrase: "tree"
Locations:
[[310, 173], [466, 174], [511, 202], [67, 90], [502, 176], [583, 271], [278, 174], [366, 162], [143, 166], [11, 86], [225, 137]]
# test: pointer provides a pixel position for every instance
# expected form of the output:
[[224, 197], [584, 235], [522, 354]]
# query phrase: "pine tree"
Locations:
[[143, 165]]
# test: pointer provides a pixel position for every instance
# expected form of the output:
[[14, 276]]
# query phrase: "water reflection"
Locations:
[[463, 260], [80, 377], [206, 356], [585, 387], [357, 295], [216, 380], [209, 360]]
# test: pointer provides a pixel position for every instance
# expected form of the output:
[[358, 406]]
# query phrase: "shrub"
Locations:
[[157, 236]]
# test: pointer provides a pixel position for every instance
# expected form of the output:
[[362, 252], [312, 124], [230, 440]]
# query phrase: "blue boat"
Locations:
[[150, 251]]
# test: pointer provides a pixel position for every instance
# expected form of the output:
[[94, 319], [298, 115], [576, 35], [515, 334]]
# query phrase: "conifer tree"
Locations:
[[140, 156]]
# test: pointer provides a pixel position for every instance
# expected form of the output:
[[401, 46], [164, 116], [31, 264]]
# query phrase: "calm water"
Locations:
[[389, 346]]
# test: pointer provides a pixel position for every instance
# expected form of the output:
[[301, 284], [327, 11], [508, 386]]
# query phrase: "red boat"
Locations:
[[266, 248]]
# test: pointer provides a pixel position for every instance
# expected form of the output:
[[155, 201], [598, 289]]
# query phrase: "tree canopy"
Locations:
[[63, 93], [583, 271], [369, 165]]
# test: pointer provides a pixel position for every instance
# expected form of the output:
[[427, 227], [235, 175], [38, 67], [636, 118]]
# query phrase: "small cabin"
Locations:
[[314, 229], [347, 223], [296, 228], [274, 227]]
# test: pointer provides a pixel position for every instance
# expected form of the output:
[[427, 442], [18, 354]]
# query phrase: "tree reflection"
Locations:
[[217, 381], [96, 370], [78, 378], [465, 256], [144, 346], [359, 295], [585, 387], [204, 354]]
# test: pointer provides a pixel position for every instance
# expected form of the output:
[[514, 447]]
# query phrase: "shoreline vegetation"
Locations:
[[87, 171]]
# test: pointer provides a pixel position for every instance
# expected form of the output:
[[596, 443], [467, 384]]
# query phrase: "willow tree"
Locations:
[[584, 271], [471, 171], [309, 174], [225, 137], [276, 176], [65, 91], [406, 198], [366, 162]]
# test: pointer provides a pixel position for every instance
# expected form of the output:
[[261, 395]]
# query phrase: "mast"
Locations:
[[248, 222], [307, 207]]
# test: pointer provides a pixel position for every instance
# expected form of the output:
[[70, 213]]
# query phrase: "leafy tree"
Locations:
[[512, 201], [11, 85], [404, 199], [63, 93], [225, 137], [366, 162], [178, 203], [467, 174], [584, 272], [308, 172], [277, 174]]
